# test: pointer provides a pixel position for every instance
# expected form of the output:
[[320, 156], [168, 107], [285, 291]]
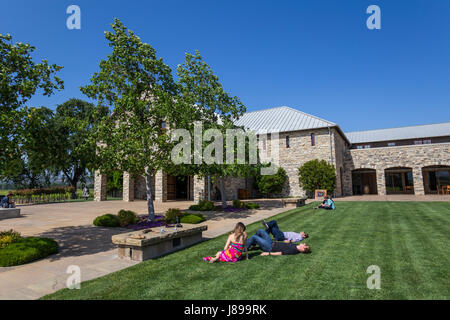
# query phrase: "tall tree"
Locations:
[[215, 109], [30, 165], [20, 79], [74, 145], [141, 90]]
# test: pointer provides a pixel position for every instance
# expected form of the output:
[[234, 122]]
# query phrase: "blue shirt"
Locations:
[[330, 203]]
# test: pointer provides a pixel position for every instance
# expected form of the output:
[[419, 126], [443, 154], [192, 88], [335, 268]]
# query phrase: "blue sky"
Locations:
[[315, 56]]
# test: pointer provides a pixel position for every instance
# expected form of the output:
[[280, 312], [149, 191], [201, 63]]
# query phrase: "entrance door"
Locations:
[[171, 187], [181, 188], [177, 187]]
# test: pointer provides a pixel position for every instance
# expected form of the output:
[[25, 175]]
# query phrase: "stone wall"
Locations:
[[415, 157], [300, 151], [340, 146]]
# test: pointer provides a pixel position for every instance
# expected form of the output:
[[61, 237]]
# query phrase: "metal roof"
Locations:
[[402, 133], [281, 119]]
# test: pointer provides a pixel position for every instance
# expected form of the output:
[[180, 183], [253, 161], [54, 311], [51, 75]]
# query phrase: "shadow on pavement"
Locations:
[[82, 240]]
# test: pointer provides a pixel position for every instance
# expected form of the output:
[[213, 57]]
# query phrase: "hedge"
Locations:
[[26, 250], [107, 220]]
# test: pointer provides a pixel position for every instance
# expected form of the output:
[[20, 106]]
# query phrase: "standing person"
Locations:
[[264, 241], [278, 235], [85, 192], [7, 202], [234, 247]]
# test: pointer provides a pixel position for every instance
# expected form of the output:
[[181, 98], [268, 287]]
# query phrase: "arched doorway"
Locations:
[[364, 181], [436, 179], [399, 180]]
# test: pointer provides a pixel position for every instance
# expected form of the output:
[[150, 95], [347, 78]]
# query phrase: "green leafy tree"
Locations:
[[271, 184], [317, 174], [20, 79], [30, 167], [141, 90], [215, 109], [74, 156]]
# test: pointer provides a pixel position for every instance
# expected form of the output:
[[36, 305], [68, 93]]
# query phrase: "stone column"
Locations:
[[160, 186], [99, 186], [381, 182], [199, 189], [128, 187], [418, 181]]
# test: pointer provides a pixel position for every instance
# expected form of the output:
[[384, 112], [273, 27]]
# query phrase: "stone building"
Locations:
[[406, 160]]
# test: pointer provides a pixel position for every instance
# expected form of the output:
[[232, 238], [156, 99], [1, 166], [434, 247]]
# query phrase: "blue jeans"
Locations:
[[262, 239], [275, 231]]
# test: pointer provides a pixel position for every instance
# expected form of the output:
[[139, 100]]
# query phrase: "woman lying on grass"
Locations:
[[236, 244]]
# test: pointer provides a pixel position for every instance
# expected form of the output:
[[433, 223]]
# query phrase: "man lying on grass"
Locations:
[[278, 235], [271, 248]]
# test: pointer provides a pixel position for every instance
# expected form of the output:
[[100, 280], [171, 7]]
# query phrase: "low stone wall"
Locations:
[[141, 245], [7, 213]]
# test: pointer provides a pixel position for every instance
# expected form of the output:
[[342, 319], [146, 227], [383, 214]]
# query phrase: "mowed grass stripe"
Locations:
[[344, 243]]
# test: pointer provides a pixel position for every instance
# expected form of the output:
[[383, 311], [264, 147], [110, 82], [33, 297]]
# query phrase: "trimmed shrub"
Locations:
[[8, 237], [315, 174], [127, 217], [26, 250], [252, 205], [203, 205], [238, 204], [271, 184], [172, 214], [107, 220], [192, 218]]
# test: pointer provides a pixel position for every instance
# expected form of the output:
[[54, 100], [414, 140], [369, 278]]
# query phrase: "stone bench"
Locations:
[[6, 213], [142, 245], [294, 202]]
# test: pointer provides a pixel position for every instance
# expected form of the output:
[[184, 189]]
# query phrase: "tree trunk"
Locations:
[[74, 185], [222, 192], [149, 189]]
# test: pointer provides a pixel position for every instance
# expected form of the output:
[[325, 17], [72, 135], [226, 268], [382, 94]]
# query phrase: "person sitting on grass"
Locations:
[[7, 203], [234, 247], [271, 248], [278, 235], [327, 204]]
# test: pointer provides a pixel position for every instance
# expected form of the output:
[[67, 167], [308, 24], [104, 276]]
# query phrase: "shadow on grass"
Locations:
[[76, 241]]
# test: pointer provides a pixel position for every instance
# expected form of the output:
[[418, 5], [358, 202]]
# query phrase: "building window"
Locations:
[[287, 142], [428, 141], [313, 139], [391, 144], [359, 147], [418, 142], [367, 146]]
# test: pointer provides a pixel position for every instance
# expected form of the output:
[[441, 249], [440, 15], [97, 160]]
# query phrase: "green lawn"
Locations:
[[409, 241]]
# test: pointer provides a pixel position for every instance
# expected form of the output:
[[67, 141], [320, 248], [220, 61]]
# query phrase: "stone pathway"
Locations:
[[90, 247]]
